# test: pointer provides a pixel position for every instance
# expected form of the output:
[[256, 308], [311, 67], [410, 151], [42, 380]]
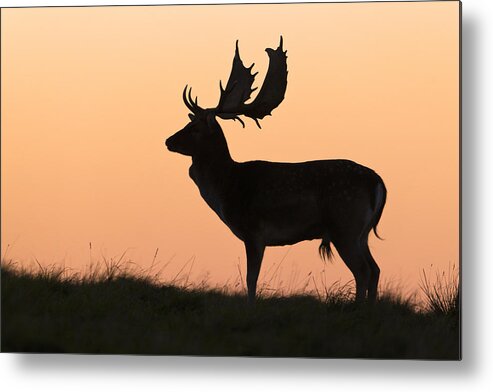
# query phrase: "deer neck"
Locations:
[[211, 170], [213, 175]]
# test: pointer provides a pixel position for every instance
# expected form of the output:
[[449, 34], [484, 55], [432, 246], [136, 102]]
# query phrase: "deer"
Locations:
[[267, 203]]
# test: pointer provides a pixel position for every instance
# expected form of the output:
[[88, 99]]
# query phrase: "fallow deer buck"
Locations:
[[275, 204]]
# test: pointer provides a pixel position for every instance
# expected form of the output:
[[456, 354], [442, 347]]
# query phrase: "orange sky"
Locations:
[[90, 94]]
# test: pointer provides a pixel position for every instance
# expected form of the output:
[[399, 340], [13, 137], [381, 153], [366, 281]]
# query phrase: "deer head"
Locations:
[[203, 135]]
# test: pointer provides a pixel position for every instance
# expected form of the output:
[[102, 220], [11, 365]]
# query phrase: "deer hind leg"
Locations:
[[353, 256], [374, 273], [255, 254]]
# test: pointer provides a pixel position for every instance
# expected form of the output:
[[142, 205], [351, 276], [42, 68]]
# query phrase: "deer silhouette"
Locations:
[[274, 204]]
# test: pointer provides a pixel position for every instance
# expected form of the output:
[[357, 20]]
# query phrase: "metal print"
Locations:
[[240, 219]]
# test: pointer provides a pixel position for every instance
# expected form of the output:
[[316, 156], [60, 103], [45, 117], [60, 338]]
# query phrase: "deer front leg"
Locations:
[[255, 254]]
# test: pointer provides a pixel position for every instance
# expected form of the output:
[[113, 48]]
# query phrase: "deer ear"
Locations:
[[191, 116]]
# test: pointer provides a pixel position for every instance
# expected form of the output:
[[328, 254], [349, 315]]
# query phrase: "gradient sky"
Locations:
[[90, 94]]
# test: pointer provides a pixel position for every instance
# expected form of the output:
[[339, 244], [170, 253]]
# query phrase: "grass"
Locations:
[[112, 309], [442, 294]]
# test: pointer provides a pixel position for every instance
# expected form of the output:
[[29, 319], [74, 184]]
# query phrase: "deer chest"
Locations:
[[210, 192]]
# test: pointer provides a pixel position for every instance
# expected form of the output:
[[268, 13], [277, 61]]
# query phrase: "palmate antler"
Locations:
[[232, 102]]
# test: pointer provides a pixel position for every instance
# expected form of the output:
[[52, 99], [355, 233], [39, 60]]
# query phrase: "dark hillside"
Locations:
[[130, 315]]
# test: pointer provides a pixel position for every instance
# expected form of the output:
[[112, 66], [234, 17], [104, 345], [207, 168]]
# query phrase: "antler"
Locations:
[[239, 88], [189, 102], [232, 102]]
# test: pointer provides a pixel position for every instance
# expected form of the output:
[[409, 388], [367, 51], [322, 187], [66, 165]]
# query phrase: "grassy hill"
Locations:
[[123, 314]]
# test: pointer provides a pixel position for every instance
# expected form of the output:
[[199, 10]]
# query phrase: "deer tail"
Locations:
[[380, 198], [325, 250]]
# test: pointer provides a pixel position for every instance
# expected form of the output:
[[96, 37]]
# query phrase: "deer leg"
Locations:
[[255, 254], [352, 255], [374, 274]]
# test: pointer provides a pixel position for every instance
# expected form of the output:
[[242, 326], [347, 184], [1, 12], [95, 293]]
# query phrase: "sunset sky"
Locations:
[[90, 94]]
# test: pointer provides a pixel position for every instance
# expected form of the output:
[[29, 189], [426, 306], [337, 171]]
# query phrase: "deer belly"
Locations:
[[291, 225]]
